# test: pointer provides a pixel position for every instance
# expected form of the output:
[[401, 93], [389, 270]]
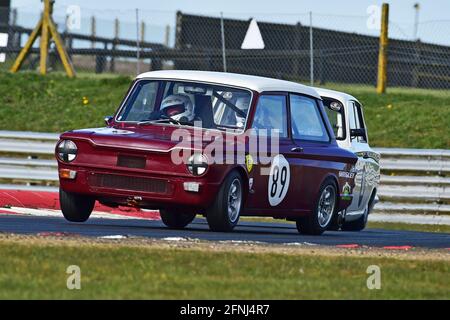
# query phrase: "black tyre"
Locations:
[[176, 220], [358, 224], [224, 213], [336, 222], [75, 207], [325, 210]]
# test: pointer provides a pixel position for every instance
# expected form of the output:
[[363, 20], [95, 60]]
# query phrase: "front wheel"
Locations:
[[176, 220], [75, 207], [224, 213], [320, 219]]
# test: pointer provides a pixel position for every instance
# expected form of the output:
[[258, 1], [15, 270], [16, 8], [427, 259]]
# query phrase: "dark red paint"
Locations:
[[98, 154]]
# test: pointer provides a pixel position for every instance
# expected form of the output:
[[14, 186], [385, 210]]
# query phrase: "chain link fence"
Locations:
[[306, 47]]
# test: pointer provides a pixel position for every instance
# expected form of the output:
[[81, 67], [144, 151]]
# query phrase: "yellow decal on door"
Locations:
[[249, 162]]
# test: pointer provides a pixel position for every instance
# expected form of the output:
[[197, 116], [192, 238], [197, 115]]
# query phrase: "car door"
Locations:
[[359, 145], [272, 175], [311, 152]]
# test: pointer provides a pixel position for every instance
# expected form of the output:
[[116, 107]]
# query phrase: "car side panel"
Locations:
[[308, 171]]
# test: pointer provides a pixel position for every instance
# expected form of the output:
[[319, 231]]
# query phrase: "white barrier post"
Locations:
[[3, 43]]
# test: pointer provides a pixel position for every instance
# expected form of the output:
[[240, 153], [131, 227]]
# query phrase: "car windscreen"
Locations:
[[186, 103]]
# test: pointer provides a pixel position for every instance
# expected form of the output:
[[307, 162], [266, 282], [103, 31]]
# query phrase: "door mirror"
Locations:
[[358, 133], [108, 120]]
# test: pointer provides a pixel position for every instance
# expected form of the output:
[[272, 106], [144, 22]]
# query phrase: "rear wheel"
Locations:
[[358, 224], [337, 221], [320, 219], [75, 207], [176, 220], [224, 213]]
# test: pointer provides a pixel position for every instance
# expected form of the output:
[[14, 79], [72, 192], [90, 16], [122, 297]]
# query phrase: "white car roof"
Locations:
[[255, 83], [338, 95]]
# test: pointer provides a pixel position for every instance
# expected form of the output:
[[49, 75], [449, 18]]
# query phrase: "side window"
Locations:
[[271, 114], [356, 120], [336, 118], [307, 123]]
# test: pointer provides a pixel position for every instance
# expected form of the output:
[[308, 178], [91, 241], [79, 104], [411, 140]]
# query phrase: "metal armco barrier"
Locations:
[[412, 180], [29, 135]]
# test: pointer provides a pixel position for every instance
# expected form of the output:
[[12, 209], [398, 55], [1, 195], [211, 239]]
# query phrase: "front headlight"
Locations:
[[67, 150], [197, 164]]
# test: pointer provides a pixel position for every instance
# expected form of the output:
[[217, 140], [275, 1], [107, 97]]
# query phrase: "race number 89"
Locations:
[[279, 179]]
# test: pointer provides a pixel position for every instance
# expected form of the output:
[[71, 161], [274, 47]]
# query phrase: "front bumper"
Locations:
[[144, 190]]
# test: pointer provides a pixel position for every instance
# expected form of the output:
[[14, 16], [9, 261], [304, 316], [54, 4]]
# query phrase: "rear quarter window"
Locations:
[[307, 122], [336, 118]]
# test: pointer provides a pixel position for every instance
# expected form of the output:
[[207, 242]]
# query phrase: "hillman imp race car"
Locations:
[[346, 116], [217, 144]]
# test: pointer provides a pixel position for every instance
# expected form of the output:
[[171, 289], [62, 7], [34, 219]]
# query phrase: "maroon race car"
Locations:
[[218, 144]]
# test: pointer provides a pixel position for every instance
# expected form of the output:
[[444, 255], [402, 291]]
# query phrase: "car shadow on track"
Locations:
[[199, 228]]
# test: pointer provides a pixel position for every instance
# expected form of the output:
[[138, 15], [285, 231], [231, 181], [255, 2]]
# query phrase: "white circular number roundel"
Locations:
[[279, 178]]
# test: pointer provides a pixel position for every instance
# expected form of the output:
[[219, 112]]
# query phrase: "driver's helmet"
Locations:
[[178, 107]]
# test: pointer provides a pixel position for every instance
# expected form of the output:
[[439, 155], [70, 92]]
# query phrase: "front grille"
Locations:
[[128, 183], [131, 162]]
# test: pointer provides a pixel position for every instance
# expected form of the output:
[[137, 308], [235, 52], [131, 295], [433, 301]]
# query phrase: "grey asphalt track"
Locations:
[[274, 233]]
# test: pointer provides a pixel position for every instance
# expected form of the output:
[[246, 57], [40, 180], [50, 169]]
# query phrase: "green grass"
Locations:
[[372, 225], [410, 227], [416, 118], [404, 117], [38, 271], [55, 103]]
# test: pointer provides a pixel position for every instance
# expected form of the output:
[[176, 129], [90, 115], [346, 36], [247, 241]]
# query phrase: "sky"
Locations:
[[346, 15]]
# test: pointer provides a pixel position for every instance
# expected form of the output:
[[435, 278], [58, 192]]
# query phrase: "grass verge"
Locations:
[[36, 269], [373, 225], [401, 118], [55, 103], [404, 117], [410, 227]]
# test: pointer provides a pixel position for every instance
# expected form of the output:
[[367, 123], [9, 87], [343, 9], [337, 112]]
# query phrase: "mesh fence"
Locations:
[[306, 47]]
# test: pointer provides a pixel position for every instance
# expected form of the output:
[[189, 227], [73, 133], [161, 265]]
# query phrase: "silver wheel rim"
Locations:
[[234, 200], [326, 205]]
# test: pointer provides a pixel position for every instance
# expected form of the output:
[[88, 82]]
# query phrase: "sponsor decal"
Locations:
[[346, 174], [249, 162], [279, 179], [346, 192]]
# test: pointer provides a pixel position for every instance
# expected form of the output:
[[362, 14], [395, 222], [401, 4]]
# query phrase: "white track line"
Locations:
[[58, 214]]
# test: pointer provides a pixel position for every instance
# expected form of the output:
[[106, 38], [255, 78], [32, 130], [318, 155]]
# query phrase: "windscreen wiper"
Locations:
[[163, 120], [145, 122]]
